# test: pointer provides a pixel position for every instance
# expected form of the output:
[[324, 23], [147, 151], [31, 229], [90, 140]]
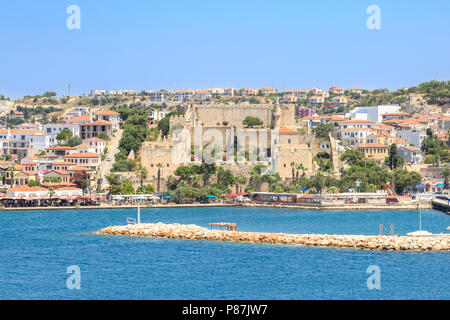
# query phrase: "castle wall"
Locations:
[[211, 115]]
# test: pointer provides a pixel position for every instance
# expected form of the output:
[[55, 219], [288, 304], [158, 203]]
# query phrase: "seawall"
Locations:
[[194, 232]]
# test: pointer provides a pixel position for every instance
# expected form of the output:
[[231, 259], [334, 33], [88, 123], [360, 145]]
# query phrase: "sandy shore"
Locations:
[[194, 232]]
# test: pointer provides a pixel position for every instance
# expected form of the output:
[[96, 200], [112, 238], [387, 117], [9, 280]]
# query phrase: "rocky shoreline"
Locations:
[[194, 232]]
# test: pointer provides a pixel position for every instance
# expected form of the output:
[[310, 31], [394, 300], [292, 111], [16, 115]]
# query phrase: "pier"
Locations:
[[224, 225], [439, 242], [441, 204]]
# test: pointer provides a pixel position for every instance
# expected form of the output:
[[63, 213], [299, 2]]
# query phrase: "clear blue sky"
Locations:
[[285, 44]]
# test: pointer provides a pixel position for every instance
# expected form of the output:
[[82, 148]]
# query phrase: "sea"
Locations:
[[54, 254]]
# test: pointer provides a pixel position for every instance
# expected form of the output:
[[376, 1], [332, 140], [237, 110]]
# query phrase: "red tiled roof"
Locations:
[[99, 123], [108, 113], [94, 139], [85, 117], [286, 131], [26, 189], [372, 145], [358, 121], [81, 169], [61, 172], [61, 148], [82, 155]]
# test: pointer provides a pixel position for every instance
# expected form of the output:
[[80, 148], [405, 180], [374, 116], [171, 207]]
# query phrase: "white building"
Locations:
[[39, 141], [411, 155], [412, 136], [154, 114], [158, 95], [372, 113], [98, 92], [111, 116], [79, 111], [358, 123], [98, 144], [354, 136], [52, 130], [184, 95]]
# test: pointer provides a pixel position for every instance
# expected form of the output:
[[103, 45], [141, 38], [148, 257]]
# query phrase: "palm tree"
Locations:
[[446, 174], [141, 173], [293, 170], [170, 181], [196, 180], [240, 180], [159, 166], [300, 167]]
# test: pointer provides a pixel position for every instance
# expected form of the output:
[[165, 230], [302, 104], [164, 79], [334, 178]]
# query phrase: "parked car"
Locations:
[[244, 199], [108, 159]]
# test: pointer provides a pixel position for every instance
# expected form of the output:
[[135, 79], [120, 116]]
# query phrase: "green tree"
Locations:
[[239, 181], [323, 130], [147, 189], [74, 141], [393, 160], [403, 178], [159, 166], [127, 187], [34, 183], [446, 174], [64, 135], [352, 157], [141, 173], [251, 122], [104, 136], [81, 180], [225, 177]]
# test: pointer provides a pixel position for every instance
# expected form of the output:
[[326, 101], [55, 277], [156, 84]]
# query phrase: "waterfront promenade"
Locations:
[[439, 242], [426, 205]]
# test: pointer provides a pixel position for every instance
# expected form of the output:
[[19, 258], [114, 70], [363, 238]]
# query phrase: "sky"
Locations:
[[285, 44]]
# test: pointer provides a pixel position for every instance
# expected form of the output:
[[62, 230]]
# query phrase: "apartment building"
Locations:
[[98, 144], [93, 129], [184, 95], [111, 116]]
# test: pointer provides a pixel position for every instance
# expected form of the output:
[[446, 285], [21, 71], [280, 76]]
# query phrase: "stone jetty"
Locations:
[[194, 232]]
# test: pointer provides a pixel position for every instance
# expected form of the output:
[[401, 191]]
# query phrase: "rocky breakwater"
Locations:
[[194, 232]]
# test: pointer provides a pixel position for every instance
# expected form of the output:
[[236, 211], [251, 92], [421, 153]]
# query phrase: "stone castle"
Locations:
[[279, 134]]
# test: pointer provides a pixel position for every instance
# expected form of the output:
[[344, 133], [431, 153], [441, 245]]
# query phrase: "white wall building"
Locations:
[[52, 129], [372, 113], [98, 144], [412, 136]]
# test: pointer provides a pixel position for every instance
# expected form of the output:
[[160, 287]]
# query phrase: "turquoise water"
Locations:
[[37, 246]]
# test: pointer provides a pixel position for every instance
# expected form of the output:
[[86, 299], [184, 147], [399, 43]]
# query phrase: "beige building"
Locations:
[[376, 151]]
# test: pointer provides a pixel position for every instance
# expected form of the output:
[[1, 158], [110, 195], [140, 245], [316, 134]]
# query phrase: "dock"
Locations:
[[441, 205]]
